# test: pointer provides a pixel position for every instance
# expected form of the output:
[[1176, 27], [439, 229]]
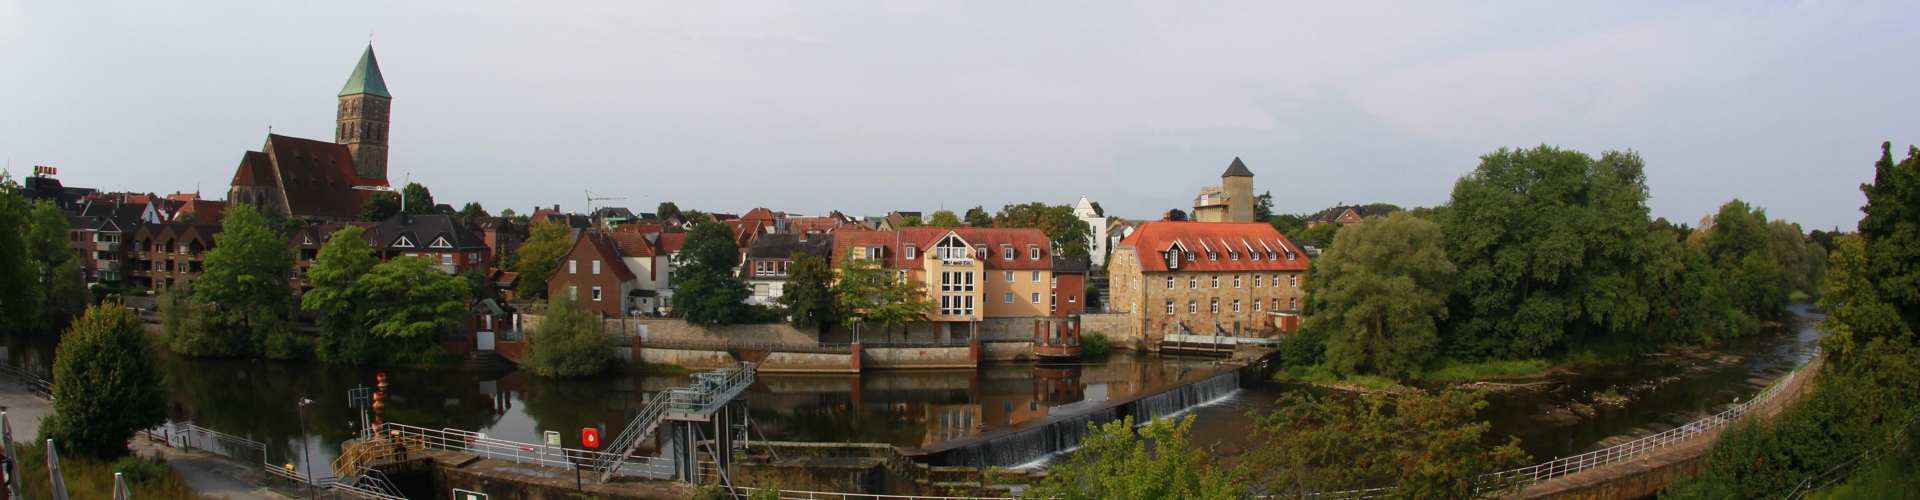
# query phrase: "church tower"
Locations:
[[362, 118]]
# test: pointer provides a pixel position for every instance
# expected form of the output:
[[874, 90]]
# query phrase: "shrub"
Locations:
[[142, 470], [569, 342], [1095, 346], [106, 386]]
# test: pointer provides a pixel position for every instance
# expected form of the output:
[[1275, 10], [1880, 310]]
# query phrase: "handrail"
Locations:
[[827, 495], [629, 439]]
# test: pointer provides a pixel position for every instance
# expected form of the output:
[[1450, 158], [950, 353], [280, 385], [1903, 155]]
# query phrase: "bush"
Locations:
[[1095, 346], [1455, 371], [106, 386], [568, 343], [142, 470], [91, 478]]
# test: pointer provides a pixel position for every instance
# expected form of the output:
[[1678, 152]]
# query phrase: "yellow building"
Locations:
[[970, 274]]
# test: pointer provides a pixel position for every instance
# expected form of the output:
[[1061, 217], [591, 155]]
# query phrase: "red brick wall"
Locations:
[[582, 276], [1070, 294]]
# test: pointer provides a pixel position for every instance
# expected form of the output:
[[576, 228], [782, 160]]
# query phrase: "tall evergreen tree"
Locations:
[[978, 217], [1891, 228]]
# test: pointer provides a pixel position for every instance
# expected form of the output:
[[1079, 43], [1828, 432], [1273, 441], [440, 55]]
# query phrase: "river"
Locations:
[[910, 409]]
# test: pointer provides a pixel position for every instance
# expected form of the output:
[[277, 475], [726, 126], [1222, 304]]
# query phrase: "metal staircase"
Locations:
[[709, 391]]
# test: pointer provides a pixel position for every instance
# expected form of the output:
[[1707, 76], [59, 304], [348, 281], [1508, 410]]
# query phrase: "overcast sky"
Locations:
[[866, 107]]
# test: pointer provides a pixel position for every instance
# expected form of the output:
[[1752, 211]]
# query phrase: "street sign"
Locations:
[[460, 494], [553, 438], [590, 438]]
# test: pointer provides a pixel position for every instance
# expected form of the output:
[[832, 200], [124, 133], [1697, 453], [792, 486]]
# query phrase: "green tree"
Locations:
[[1803, 261], [380, 206], [408, 304], [61, 291], [706, 290], [911, 221], [336, 269], [1740, 244], [1116, 461], [978, 217], [868, 293], [1428, 445], [18, 295], [1263, 207], [1325, 234], [1856, 313], [944, 218], [1176, 215], [472, 213], [417, 198], [570, 342], [1547, 243], [540, 256], [106, 385], [667, 210], [808, 295], [243, 292], [1067, 232], [1383, 291], [1891, 227], [1290, 225]]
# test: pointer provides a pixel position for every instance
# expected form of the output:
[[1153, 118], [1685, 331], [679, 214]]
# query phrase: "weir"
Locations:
[[1062, 433]]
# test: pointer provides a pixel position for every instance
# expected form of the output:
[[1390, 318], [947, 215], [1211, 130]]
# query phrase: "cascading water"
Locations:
[[1034, 444]]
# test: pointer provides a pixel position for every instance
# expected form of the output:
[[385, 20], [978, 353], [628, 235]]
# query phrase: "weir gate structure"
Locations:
[[707, 415]]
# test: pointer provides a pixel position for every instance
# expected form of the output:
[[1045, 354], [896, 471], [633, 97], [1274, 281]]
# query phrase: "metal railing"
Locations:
[[1513, 480], [724, 344], [36, 383], [525, 453], [642, 424], [189, 436]]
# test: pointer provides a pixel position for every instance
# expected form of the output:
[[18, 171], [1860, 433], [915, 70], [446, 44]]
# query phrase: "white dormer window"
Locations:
[[1233, 255], [403, 242], [1033, 252], [440, 242], [1213, 256], [912, 252], [306, 239], [1006, 252]]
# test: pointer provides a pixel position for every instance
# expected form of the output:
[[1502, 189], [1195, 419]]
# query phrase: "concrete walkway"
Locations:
[[24, 409]]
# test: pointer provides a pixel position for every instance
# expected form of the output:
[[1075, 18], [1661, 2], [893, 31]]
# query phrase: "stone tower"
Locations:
[[1237, 181], [362, 118]]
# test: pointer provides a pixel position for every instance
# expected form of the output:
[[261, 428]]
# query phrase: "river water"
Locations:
[[910, 409]]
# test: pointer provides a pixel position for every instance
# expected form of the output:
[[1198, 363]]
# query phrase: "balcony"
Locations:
[[107, 246], [109, 266]]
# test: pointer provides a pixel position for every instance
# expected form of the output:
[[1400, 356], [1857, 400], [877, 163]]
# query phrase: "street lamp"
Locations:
[[300, 412], [390, 189]]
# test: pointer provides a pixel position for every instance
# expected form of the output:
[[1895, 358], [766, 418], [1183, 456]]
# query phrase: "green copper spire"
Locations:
[[366, 77]]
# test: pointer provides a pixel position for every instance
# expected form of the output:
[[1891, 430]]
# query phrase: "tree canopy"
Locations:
[[944, 218], [407, 305], [808, 294], [706, 290], [539, 257], [1384, 284], [418, 199], [105, 382], [336, 268], [60, 292], [569, 342], [242, 294], [1067, 232], [868, 293], [978, 217], [17, 286], [667, 210], [1155, 461], [1428, 445]]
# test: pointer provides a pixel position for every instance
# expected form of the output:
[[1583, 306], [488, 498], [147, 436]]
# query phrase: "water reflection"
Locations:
[[259, 399]]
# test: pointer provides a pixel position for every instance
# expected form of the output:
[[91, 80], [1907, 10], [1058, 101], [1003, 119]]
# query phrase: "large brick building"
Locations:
[[309, 179], [969, 273], [1207, 278]]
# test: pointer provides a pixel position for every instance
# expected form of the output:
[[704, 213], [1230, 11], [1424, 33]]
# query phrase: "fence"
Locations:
[[743, 491], [1560, 467], [726, 344], [36, 383], [525, 453]]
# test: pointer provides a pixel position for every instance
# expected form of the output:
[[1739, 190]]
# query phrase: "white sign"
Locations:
[[553, 438], [460, 494]]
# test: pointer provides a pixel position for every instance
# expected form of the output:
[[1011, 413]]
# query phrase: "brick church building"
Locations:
[[319, 180]]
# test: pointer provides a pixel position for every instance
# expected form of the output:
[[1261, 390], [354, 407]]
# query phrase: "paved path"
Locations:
[[24, 409]]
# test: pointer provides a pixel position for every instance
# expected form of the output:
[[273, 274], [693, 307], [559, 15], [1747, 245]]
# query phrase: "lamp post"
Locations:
[[300, 412], [390, 189]]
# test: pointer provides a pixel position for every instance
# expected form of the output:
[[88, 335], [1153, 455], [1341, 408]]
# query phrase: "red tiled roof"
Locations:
[[317, 177], [203, 211], [631, 244], [603, 245], [670, 242], [1213, 246], [923, 239], [759, 214]]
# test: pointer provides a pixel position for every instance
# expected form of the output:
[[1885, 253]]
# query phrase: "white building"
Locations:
[[1096, 225]]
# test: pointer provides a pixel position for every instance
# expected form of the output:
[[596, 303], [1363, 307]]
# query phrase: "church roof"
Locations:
[[1237, 169], [366, 77]]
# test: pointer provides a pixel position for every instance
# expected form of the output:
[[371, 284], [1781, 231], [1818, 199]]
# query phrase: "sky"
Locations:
[[867, 107]]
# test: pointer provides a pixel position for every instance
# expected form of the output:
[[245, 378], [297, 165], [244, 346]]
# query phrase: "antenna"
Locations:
[[591, 198]]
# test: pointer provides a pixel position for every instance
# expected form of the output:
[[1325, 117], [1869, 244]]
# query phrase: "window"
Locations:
[[1036, 276], [1008, 275], [1236, 305], [1276, 304], [1293, 281], [1233, 255], [912, 251], [1169, 306], [1256, 281], [1212, 255], [573, 292], [1293, 303], [1213, 305], [1071, 299], [1033, 252], [1053, 301], [473, 257], [573, 266], [446, 259], [596, 294], [440, 242], [1006, 252], [1008, 298], [1169, 282], [1276, 279], [596, 266], [1236, 281], [1053, 282], [1193, 282], [968, 282], [875, 252], [1192, 307], [980, 251], [1035, 299], [1256, 305], [1213, 281]]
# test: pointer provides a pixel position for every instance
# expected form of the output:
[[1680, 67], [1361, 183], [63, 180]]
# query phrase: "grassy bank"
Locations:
[[149, 478], [1461, 371], [1322, 376]]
